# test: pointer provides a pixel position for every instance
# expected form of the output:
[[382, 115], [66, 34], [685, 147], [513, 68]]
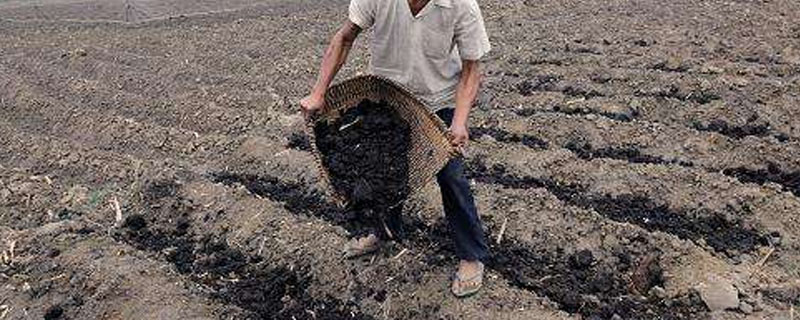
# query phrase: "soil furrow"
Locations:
[[628, 153], [695, 196], [69, 269], [573, 283], [657, 144], [508, 137], [114, 133], [772, 173], [722, 235], [232, 276], [46, 179], [401, 275], [141, 94]]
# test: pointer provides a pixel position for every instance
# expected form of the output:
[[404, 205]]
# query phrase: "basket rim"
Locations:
[[404, 90]]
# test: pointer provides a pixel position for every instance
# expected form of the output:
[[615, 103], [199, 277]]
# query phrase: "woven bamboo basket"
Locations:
[[430, 148]]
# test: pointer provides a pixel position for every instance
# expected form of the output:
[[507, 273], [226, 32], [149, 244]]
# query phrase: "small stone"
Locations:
[[658, 292], [746, 308], [789, 55], [52, 252], [674, 64], [718, 294], [709, 69], [775, 238], [618, 109], [616, 317], [488, 139], [738, 81], [76, 195]]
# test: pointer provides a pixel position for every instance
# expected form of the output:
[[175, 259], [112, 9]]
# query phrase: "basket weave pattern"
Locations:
[[430, 147]]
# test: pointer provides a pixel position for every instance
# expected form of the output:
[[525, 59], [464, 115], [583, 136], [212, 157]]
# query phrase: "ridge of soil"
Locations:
[[233, 277], [729, 237]]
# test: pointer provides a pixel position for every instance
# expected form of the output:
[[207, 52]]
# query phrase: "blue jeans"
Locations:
[[459, 206]]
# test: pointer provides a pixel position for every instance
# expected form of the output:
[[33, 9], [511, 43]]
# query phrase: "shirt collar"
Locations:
[[444, 3]]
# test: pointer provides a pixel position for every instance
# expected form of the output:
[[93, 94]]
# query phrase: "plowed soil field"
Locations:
[[630, 159]]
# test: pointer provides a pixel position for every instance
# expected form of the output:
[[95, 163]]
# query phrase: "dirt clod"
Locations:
[[299, 141], [582, 259], [719, 294], [53, 313]]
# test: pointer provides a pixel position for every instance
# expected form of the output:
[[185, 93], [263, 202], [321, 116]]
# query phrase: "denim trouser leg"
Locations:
[[459, 206]]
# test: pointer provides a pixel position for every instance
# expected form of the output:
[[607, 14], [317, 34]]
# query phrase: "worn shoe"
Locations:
[[358, 247], [466, 286]]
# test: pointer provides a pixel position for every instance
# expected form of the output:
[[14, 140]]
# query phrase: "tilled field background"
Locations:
[[152, 165]]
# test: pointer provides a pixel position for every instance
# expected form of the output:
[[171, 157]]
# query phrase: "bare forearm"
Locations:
[[467, 91], [335, 56]]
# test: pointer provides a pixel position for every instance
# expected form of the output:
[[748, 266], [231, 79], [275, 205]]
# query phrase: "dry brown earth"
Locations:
[[635, 151]]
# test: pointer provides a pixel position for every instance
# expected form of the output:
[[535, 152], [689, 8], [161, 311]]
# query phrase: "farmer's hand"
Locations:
[[311, 104], [460, 135]]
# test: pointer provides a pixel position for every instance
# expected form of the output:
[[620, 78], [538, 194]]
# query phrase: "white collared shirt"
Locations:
[[423, 52]]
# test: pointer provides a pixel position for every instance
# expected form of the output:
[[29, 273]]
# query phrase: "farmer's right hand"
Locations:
[[311, 104]]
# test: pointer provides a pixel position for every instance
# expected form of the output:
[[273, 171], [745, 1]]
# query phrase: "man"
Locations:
[[433, 47]]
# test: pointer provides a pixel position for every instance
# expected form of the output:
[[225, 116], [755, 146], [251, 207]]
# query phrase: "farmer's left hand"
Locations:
[[460, 135]]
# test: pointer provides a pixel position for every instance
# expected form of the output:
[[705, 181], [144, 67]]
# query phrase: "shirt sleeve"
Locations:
[[362, 13], [470, 33]]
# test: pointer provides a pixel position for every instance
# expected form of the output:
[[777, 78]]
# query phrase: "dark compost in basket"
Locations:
[[366, 154]]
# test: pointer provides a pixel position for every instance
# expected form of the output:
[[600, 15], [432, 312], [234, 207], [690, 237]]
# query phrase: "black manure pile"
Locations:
[[365, 152]]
